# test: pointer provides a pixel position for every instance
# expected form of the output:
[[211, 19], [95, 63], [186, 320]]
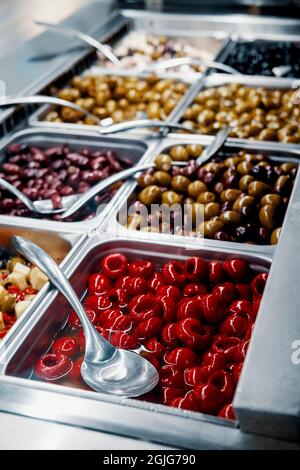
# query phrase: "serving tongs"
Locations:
[[76, 34], [71, 204]]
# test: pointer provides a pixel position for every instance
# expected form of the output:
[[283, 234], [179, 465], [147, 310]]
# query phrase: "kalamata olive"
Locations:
[[264, 236], [222, 236]]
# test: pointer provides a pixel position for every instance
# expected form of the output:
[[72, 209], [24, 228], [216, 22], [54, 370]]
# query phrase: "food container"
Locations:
[[277, 152], [135, 150], [99, 411], [189, 80], [58, 244], [217, 80]]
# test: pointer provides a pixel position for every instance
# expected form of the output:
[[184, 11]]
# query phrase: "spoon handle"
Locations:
[[42, 260], [167, 64], [12, 189], [215, 146], [143, 123], [7, 102], [74, 33]]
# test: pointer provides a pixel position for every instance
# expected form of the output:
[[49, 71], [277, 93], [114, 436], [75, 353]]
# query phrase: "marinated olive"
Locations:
[[245, 181], [230, 195], [163, 162], [180, 183], [271, 199], [150, 195], [243, 201], [230, 217], [210, 228], [267, 215], [179, 153], [196, 187], [162, 178], [206, 197], [212, 209], [7, 302], [194, 150], [257, 188], [170, 198], [275, 236]]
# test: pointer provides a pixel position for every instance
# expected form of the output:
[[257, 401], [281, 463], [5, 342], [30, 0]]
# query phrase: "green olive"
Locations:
[[12, 263], [7, 302], [266, 216], [232, 161], [163, 162], [194, 150], [283, 184], [180, 183], [170, 198], [243, 201], [212, 209], [270, 199], [150, 195], [230, 195], [244, 167], [257, 188], [162, 178], [230, 217], [196, 187], [245, 181], [179, 153], [288, 166], [210, 228], [146, 180], [275, 236], [206, 197]]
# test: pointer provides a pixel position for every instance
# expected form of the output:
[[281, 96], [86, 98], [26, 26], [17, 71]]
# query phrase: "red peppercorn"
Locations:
[[226, 344], [67, 346], [123, 340], [155, 347], [137, 286], [99, 284], [141, 268], [74, 321], [121, 322], [75, 372], [241, 351], [114, 265], [198, 375], [235, 325], [235, 371], [236, 268], [244, 291], [193, 333], [123, 282], [53, 366], [174, 273], [98, 303], [186, 403], [196, 269], [216, 360], [242, 307]]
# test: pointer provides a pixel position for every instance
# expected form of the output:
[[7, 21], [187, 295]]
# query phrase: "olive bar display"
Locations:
[[267, 419]]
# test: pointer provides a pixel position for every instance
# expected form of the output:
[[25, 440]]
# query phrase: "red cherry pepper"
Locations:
[[119, 323], [225, 291], [114, 265], [169, 335], [227, 412], [67, 346], [235, 371], [156, 282], [74, 321], [109, 315], [168, 394], [174, 273], [249, 331], [258, 284], [189, 308], [226, 344], [241, 352], [123, 340], [168, 307], [235, 325], [198, 375], [186, 403], [99, 284], [196, 269], [170, 376], [141, 268], [123, 283], [242, 307], [213, 308], [216, 360], [149, 328], [244, 291], [222, 380], [170, 291], [155, 347], [137, 286], [118, 297], [98, 303], [208, 398], [193, 333], [237, 269], [193, 289], [143, 307], [75, 372], [182, 358], [53, 366], [216, 272]]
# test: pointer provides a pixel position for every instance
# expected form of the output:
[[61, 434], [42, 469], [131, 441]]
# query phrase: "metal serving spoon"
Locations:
[[76, 34], [105, 368], [71, 204], [143, 124], [7, 102], [167, 64]]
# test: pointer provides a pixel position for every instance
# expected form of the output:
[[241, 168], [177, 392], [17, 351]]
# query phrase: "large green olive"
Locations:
[[245, 181], [270, 199], [180, 183], [162, 178], [194, 150], [283, 184], [257, 188], [243, 201], [150, 195], [212, 209], [267, 215], [210, 228], [179, 153], [7, 302], [275, 236], [206, 197], [230, 195], [146, 180], [170, 198], [163, 162], [230, 217], [244, 167], [196, 187]]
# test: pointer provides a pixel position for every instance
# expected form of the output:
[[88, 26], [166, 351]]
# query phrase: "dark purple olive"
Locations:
[[263, 236], [260, 173], [222, 236]]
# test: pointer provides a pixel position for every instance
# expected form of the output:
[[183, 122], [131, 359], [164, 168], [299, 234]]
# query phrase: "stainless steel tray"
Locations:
[[100, 411], [191, 79], [136, 150], [218, 79], [275, 151], [60, 245]]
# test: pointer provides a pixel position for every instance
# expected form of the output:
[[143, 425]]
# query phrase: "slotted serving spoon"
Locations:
[[105, 368], [71, 204]]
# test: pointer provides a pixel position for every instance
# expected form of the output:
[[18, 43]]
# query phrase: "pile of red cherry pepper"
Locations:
[[192, 319]]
